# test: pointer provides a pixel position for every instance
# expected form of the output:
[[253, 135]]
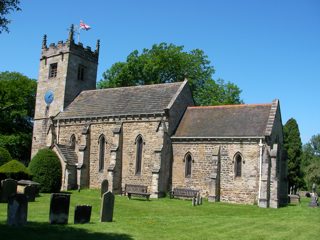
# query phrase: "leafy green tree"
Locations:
[[46, 169], [311, 161], [165, 63], [17, 100], [4, 156], [293, 147], [7, 6]]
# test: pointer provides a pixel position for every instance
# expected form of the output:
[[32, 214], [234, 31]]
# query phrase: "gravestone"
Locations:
[[314, 200], [17, 210], [8, 189], [104, 186], [82, 214], [30, 192], [294, 199], [107, 205], [59, 208]]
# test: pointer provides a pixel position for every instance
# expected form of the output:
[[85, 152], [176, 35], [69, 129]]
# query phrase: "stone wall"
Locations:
[[179, 106], [96, 130], [233, 189], [152, 144]]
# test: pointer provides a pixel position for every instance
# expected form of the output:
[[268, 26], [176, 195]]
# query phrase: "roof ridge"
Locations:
[[231, 106], [138, 86]]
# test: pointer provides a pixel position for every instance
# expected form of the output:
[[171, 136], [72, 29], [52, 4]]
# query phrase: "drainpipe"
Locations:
[[260, 166]]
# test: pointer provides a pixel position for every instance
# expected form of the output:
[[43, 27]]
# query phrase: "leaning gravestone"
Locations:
[[30, 192], [17, 210], [82, 214], [107, 205], [8, 189], [59, 208], [104, 187]]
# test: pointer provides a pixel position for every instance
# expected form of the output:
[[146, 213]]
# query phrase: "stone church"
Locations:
[[154, 135]]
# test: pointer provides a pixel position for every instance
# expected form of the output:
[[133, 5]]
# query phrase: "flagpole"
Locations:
[[78, 34]]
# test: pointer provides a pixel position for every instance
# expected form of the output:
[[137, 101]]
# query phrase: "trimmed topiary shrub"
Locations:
[[46, 169], [4, 156], [15, 170]]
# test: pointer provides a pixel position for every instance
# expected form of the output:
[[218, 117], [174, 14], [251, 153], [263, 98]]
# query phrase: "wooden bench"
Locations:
[[184, 193], [137, 190]]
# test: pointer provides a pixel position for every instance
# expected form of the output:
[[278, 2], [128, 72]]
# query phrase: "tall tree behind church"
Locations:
[[311, 162], [165, 63], [293, 147], [17, 97]]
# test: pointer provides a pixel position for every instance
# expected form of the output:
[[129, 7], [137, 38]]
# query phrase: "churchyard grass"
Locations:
[[167, 219]]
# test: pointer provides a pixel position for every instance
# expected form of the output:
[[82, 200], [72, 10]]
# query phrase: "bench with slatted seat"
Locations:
[[184, 193], [137, 190]]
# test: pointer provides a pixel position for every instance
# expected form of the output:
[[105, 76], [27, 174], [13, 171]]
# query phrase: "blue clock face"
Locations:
[[48, 97]]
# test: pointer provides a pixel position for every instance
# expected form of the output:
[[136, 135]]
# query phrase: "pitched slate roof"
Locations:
[[227, 121], [67, 153], [147, 99]]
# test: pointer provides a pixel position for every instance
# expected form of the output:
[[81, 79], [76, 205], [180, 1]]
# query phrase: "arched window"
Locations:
[[188, 162], [237, 165], [73, 141], [139, 143], [102, 146]]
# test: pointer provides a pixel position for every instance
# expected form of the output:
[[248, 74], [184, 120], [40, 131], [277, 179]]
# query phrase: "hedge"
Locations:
[[46, 169], [15, 170]]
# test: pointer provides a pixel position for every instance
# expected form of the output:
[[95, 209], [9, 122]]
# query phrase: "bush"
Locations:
[[4, 156], [15, 170], [46, 169]]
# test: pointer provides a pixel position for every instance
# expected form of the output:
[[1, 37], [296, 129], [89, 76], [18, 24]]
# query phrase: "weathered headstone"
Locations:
[[82, 214], [17, 210], [107, 205], [30, 192], [8, 189], [314, 200], [59, 208], [294, 199], [104, 186]]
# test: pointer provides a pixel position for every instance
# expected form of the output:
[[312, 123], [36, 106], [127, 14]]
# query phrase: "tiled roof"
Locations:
[[147, 99], [68, 154], [226, 121]]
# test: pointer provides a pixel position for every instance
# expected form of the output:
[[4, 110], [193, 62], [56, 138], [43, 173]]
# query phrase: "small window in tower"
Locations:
[[81, 72], [53, 70]]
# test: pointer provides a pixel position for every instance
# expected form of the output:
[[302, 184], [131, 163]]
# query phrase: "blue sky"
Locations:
[[269, 48]]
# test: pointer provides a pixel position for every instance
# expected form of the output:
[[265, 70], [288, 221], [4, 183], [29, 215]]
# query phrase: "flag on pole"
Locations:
[[84, 26]]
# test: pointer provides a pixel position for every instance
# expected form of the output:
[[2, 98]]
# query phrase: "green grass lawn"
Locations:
[[167, 219]]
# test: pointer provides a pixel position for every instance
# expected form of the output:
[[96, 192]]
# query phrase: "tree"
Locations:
[[17, 101], [165, 63], [293, 147], [311, 161], [7, 6], [4, 156], [46, 169], [15, 170]]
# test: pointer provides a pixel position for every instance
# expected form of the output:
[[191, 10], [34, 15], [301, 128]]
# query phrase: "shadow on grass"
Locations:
[[47, 231]]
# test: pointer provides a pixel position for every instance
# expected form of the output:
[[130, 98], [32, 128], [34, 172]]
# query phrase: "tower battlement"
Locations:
[[69, 47]]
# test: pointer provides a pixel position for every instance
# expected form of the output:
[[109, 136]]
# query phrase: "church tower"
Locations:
[[65, 70]]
